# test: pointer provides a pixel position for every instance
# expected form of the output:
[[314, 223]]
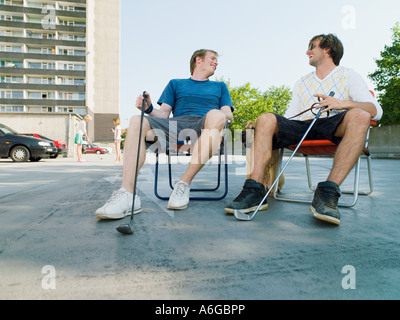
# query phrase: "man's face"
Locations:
[[208, 64], [315, 53]]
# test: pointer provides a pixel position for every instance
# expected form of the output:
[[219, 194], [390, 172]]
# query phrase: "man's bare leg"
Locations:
[[203, 149], [266, 128], [253, 190], [353, 130], [120, 203], [206, 145], [131, 149]]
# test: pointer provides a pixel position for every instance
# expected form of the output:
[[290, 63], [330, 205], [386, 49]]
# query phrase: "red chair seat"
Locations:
[[321, 147], [316, 147]]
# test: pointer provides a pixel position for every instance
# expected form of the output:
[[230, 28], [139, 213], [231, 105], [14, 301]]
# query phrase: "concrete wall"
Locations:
[[385, 141], [51, 125]]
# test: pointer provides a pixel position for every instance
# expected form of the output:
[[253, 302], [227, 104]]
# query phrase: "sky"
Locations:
[[262, 42]]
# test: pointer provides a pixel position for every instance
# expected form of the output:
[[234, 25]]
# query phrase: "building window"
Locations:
[[11, 79], [11, 64], [11, 108], [11, 94], [66, 110], [48, 109]]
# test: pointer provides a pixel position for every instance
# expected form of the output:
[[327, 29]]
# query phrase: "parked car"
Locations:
[[91, 148], [21, 148], [60, 145]]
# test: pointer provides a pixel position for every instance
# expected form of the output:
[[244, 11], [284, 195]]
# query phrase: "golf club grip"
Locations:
[[331, 94]]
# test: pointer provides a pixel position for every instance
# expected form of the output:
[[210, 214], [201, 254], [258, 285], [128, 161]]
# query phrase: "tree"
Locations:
[[123, 137], [387, 80], [250, 102]]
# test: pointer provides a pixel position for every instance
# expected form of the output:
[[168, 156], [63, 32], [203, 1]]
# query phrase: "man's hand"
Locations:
[[334, 104], [330, 103], [228, 112], [139, 101]]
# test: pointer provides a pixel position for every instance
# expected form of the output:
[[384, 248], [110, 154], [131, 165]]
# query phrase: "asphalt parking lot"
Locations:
[[52, 247]]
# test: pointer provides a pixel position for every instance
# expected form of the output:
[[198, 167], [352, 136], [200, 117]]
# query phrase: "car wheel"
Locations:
[[98, 152], [20, 154]]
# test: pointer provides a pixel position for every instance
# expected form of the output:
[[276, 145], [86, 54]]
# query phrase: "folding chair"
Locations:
[[183, 148], [326, 147]]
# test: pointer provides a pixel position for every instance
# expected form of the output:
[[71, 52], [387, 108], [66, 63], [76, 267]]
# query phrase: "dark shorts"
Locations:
[[171, 130], [292, 131]]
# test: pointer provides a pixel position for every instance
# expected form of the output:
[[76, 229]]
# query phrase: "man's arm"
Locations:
[[360, 97], [164, 111], [334, 104]]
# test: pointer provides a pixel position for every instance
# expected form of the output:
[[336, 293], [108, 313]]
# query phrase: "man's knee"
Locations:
[[215, 119], [267, 121], [134, 123], [355, 119], [358, 117]]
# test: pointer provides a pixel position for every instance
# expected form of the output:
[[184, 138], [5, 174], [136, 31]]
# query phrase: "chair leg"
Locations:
[[156, 174], [309, 180], [356, 186], [156, 179], [223, 148], [356, 192], [371, 185]]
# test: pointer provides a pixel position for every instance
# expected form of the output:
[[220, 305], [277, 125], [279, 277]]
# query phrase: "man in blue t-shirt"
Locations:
[[200, 109]]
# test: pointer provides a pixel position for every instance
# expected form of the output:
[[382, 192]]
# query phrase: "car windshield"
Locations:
[[7, 130], [43, 137]]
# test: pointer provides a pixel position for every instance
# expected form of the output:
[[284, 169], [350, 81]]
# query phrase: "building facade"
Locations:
[[60, 60]]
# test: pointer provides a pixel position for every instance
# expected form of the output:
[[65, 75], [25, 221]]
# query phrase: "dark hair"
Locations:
[[199, 53], [333, 44]]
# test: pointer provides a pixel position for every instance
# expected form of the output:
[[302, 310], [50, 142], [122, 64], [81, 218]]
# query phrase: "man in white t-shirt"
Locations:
[[345, 121]]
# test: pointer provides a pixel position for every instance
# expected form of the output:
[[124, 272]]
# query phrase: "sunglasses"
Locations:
[[312, 46]]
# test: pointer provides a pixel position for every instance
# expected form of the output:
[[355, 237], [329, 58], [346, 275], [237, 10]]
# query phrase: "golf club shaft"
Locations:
[[290, 159], [138, 154]]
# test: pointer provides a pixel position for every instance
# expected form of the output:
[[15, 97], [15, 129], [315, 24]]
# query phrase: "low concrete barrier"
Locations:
[[385, 141]]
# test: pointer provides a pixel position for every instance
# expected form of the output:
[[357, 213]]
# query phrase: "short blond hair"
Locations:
[[117, 122], [88, 118], [201, 54]]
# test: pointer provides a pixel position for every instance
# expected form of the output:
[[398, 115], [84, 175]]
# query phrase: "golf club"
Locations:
[[246, 217], [128, 227]]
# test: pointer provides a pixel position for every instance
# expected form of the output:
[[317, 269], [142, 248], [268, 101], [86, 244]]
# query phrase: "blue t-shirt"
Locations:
[[191, 97]]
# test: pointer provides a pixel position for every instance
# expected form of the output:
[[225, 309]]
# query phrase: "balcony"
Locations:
[[44, 102]]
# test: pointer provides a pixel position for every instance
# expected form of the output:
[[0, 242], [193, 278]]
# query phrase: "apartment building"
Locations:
[[59, 60]]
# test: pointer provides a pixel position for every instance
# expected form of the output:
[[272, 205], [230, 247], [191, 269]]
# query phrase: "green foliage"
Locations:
[[387, 80], [250, 102], [123, 136]]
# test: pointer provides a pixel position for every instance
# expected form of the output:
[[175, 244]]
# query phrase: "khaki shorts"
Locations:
[[171, 130]]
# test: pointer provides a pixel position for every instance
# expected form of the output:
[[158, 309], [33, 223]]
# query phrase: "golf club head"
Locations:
[[241, 215], [125, 229]]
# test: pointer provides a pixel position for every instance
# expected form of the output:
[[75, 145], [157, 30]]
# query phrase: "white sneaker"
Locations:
[[119, 205], [180, 196]]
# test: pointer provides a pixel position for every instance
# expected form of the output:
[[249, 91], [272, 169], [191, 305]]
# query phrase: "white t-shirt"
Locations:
[[346, 83], [81, 129], [117, 133]]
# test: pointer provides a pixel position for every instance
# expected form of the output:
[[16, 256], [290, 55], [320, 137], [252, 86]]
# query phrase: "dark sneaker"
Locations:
[[324, 205], [249, 199]]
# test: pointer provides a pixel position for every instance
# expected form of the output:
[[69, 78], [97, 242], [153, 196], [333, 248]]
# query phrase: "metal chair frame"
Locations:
[[223, 150], [326, 147]]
